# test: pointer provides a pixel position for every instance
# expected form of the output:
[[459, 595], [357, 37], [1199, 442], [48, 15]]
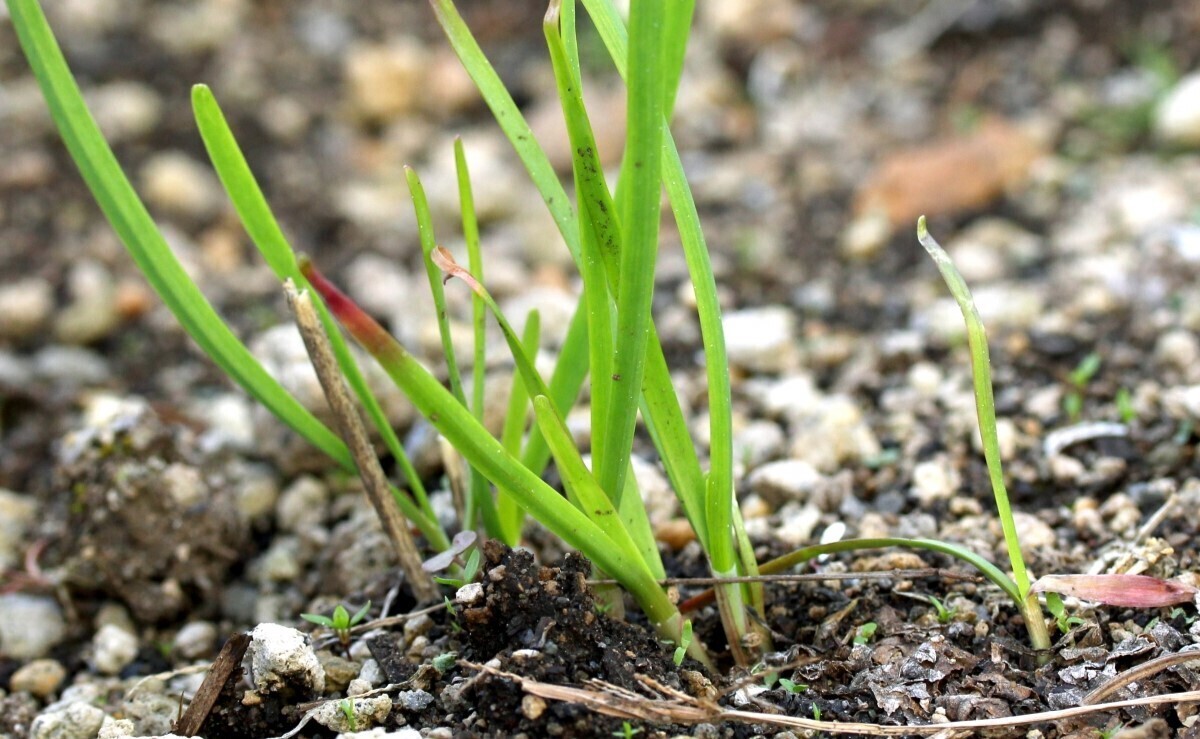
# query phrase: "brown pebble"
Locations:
[[676, 533], [532, 707]]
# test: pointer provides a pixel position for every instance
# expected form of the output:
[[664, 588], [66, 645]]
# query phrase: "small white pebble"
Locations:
[[469, 594]]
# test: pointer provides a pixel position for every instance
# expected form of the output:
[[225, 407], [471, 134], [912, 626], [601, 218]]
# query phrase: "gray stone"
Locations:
[[112, 649], [368, 711], [71, 721], [281, 656], [30, 625], [302, 505], [72, 366], [761, 339], [26, 306], [177, 183], [16, 514], [786, 480], [125, 110], [196, 639], [414, 700], [1177, 117]]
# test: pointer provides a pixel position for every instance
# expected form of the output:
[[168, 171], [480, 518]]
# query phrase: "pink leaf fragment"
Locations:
[[444, 260], [1132, 591]]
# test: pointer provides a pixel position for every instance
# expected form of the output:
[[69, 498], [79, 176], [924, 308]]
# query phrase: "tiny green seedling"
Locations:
[[944, 614], [816, 712], [1125, 409], [452, 557], [1064, 622], [685, 641], [340, 622], [792, 686], [1078, 380], [444, 661], [1179, 613], [865, 633], [627, 730], [1110, 732], [350, 712]]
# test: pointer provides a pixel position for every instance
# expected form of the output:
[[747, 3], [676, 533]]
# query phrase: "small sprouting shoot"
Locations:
[[467, 570], [340, 622]]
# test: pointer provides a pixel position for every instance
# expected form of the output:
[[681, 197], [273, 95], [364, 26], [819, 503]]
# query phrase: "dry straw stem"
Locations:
[[355, 435], [680, 708]]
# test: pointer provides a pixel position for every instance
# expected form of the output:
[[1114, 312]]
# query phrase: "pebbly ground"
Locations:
[[148, 510]]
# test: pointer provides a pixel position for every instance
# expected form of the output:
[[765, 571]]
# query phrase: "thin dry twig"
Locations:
[[688, 710], [355, 434], [1140, 672]]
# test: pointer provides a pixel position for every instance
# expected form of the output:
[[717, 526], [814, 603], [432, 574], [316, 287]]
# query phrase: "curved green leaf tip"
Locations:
[[922, 230]]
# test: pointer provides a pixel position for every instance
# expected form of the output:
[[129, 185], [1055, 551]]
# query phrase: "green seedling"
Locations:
[[340, 622], [1180, 613], [792, 686], [1078, 381], [467, 571], [865, 633], [816, 712], [985, 406], [944, 615], [1111, 731], [1058, 610], [685, 641], [1125, 409], [627, 730], [350, 712], [444, 661]]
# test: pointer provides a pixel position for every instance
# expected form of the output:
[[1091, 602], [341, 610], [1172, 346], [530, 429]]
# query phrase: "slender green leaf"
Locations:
[[136, 229], [985, 404], [481, 449], [260, 223], [480, 497], [639, 238]]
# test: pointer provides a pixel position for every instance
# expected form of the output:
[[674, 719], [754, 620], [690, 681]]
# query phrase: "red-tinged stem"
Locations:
[[362, 327]]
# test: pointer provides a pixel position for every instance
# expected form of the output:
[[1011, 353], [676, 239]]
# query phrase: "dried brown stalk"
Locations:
[[679, 708], [355, 435]]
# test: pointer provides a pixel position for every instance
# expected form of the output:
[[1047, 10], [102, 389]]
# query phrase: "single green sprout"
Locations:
[[792, 686], [444, 661], [1079, 379], [1125, 409], [627, 730], [350, 712], [865, 632], [685, 641], [944, 615], [340, 622]]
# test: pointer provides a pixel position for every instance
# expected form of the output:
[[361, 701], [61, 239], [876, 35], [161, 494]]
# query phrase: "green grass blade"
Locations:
[[570, 370], [661, 408], [676, 31], [137, 230], [582, 486], [600, 233], [509, 117], [480, 496], [612, 31], [639, 238], [428, 244], [986, 568], [260, 223], [985, 404], [481, 449], [510, 514]]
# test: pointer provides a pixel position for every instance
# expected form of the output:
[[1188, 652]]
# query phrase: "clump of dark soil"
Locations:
[[133, 516]]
